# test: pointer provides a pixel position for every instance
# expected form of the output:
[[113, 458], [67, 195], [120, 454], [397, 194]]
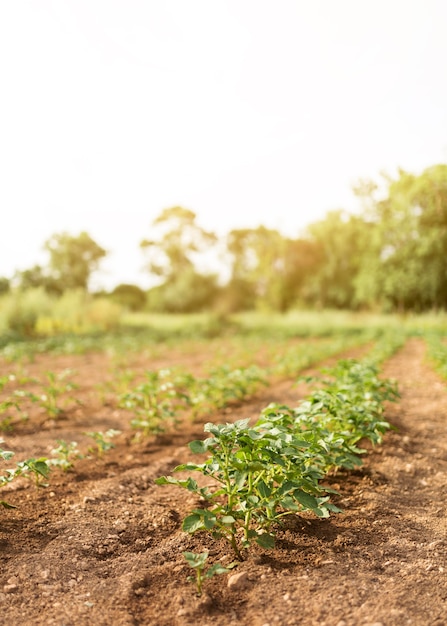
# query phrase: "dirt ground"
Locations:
[[102, 545]]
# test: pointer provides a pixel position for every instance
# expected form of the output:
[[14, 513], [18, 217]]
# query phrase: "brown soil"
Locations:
[[102, 545]]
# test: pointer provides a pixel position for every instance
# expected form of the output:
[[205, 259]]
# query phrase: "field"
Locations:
[[94, 422]]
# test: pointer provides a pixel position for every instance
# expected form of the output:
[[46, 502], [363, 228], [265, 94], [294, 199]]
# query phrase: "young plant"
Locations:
[[198, 563], [261, 474], [103, 441], [225, 385], [264, 472], [154, 402], [36, 469], [64, 454], [6, 455], [57, 386]]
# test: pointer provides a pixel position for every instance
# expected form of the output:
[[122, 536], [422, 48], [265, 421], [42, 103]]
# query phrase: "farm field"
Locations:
[[103, 543]]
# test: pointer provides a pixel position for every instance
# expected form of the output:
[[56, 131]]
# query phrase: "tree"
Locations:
[[5, 285], [339, 243], [258, 262], [180, 240], [268, 267], [174, 252], [406, 264], [33, 277], [130, 296], [73, 259]]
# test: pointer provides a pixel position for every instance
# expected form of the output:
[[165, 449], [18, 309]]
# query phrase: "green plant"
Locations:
[[198, 563], [225, 385], [264, 472], [155, 402], [64, 454], [56, 387], [5, 455], [37, 469], [103, 441]]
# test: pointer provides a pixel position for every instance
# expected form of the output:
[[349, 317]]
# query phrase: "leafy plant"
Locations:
[[64, 454], [264, 472], [57, 386], [103, 441], [36, 469], [51, 392], [155, 402], [198, 563], [6, 455]]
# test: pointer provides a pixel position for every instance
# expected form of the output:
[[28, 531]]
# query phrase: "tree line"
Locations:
[[391, 255]]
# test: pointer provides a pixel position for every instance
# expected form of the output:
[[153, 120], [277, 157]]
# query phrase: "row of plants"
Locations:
[[157, 400], [437, 353], [255, 475], [62, 456], [127, 339], [155, 404]]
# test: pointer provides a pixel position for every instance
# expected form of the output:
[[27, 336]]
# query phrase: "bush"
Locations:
[[22, 309], [34, 312], [129, 296]]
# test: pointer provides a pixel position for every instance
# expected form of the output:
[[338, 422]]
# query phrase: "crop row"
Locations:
[[157, 400], [263, 472], [155, 403], [437, 352]]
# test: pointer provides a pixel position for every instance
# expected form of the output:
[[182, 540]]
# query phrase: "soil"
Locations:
[[102, 545]]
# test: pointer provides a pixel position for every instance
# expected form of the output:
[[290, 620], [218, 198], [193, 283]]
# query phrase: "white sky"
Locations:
[[248, 112]]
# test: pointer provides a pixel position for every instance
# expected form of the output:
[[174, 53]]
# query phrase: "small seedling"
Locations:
[[103, 441], [5, 455], [37, 468], [198, 563], [64, 454]]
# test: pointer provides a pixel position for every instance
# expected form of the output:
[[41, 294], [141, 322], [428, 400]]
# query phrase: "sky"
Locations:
[[247, 112]]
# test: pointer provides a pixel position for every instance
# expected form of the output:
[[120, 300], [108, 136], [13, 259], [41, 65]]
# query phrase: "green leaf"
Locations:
[[263, 489], [6, 505], [193, 523], [306, 499], [196, 560], [217, 568], [266, 541], [239, 480], [198, 447]]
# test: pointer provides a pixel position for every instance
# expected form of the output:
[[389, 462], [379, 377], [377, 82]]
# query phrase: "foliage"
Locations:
[[181, 238], [154, 402], [5, 285], [21, 310], [64, 454], [103, 441], [341, 241], [72, 260], [272, 469], [52, 396], [130, 296], [404, 265], [198, 563], [184, 292]]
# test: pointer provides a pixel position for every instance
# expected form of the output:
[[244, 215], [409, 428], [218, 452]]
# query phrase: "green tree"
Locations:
[[5, 285], [174, 252], [33, 278], [258, 262], [73, 259], [130, 296], [405, 267], [340, 241], [268, 268], [179, 240]]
